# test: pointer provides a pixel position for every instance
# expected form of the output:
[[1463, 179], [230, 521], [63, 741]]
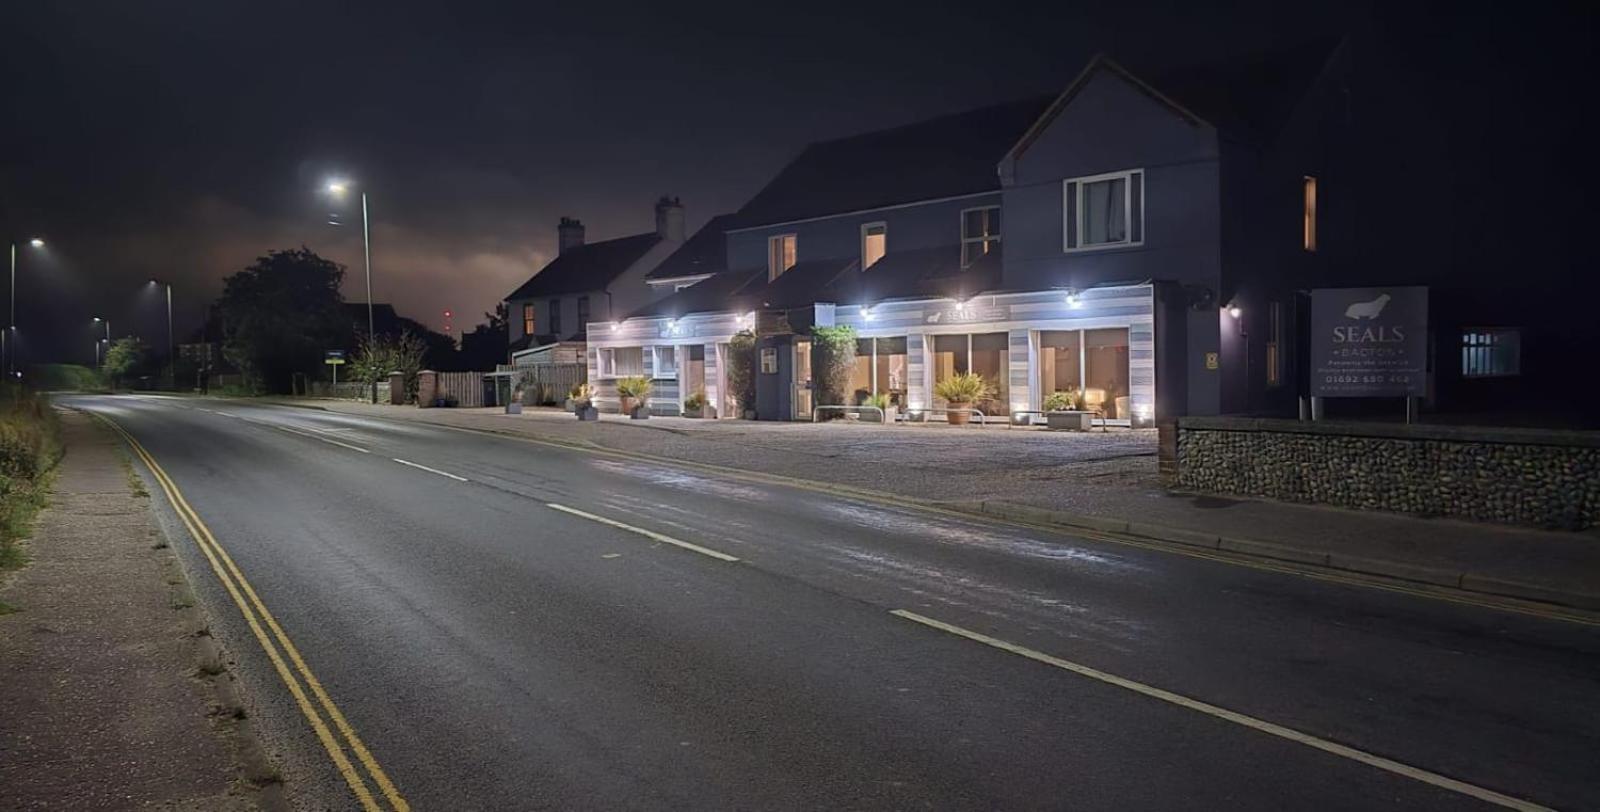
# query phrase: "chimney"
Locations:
[[669, 219], [569, 234]]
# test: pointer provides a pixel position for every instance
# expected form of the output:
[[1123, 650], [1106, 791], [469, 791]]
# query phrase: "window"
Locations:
[[1103, 211], [780, 255], [555, 317], [1274, 344], [1309, 214], [874, 243], [980, 233], [1492, 352], [666, 362], [620, 362], [583, 313], [527, 319]]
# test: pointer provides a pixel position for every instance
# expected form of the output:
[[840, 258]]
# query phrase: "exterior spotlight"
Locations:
[[672, 325], [1234, 311], [337, 187], [615, 326], [36, 242], [1072, 300], [866, 314]]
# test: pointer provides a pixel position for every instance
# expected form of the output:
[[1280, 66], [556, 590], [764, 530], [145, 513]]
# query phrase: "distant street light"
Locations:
[[338, 188], [107, 339], [11, 324], [172, 355]]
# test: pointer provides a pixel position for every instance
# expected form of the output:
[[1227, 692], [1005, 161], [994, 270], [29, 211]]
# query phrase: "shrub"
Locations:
[[833, 359], [635, 386], [1070, 400], [967, 387], [694, 402], [742, 369], [880, 400], [582, 393], [30, 445]]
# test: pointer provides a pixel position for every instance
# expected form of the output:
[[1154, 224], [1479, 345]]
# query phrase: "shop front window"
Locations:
[[983, 353], [1091, 362], [880, 369]]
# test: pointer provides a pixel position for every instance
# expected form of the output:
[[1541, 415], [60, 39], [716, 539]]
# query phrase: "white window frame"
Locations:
[[980, 239], [1479, 356], [659, 352], [773, 271], [1126, 176], [605, 362], [874, 224]]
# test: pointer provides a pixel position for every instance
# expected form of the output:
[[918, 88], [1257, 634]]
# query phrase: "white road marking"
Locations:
[[1343, 751], [650, 534], [426, 468]]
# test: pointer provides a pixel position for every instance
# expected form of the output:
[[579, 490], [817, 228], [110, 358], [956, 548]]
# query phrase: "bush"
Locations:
[[635, 386], [880, 400], [1070, 400], [67, 377], [833, 360], [695, 402], [30, 445], [967, 387], [742, 369], [583, 393]]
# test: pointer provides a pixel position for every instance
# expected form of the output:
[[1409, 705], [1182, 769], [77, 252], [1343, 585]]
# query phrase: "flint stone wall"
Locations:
[[1513, 476]]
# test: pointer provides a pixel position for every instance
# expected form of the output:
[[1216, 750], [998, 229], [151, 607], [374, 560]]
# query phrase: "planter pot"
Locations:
[[640, 412], [513, 408], [750, 414], [1070, 420], [957, 413], [629, 404], [890, 414], [571, 405], [587, 412]]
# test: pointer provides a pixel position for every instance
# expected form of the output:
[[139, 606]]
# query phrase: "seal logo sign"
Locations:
[[1367, 310]]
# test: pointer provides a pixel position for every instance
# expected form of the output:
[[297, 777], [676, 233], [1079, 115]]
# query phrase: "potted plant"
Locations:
[[960, 392], [583, 402], [1065, 410], [881, 402], [695, 406], [635, 394]]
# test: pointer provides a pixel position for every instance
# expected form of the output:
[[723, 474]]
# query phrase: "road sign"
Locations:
[[334, 357]]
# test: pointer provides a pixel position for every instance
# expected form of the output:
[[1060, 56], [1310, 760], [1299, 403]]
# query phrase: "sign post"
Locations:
[[1369, 343], [335, 359]]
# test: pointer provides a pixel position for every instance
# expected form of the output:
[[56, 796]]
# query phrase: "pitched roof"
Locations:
[[586, 267], [941, 157], [921, 273], [797, 287], [1249, 99], [711, 295], [704, 253]]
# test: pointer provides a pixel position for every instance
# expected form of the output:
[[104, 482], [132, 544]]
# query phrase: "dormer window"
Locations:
[[780, 255], [874, 243], [980, 233], [1103, 211]]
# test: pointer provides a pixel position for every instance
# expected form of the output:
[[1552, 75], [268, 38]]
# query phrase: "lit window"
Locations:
[[874, 243], [555, 317], [1103, 211], [1274, 344], [1309, 235], [620, 362], [527, 319], [780, 255], [666, 362], [980, 233], [1491, 352]]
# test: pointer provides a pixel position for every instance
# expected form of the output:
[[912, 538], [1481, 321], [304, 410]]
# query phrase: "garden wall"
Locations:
[[1513, 476]]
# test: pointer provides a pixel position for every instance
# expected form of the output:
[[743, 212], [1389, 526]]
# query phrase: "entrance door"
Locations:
[[802, 399]]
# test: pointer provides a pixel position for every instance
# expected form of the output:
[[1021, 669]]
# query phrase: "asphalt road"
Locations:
[[494, 652]]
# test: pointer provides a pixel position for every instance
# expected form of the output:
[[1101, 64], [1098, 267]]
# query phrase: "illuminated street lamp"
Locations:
[[172, 355], [11, 323], [338, 188], [106, 340]]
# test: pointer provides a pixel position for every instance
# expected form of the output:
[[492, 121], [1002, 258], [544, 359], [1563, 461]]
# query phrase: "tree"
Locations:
[[833, 361], [742, 370], [280, 314], [125, 358], [377, 357], [485, 345]]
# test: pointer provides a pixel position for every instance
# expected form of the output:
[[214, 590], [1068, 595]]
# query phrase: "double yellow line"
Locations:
[[291, 667]]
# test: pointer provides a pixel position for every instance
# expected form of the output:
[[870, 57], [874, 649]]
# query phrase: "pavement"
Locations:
[[1101, 480], [511, 625], [101, 706]]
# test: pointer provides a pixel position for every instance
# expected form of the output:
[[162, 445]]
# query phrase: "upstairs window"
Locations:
[[780, 255], [528, 322], [1308, 215], [874, 243], [583, 312], [620, 362], [1103, 211], [555, 317], [980, 233], [1493, 352]]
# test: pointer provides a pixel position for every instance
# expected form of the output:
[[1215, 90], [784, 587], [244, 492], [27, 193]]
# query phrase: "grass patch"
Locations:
[[135, 482], [30, 447]]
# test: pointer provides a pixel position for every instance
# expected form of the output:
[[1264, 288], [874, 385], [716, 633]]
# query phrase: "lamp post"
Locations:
[[172, 355], [98, 341], [11, 323], [337, 189]]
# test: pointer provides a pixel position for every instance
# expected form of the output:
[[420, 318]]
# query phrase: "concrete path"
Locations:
[[1090, 479], [102, 700]]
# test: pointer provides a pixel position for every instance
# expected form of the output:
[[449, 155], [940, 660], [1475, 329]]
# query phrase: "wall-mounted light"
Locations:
[[1235, 311], [1072, 299], [866, 314], [672, 325], [615, 326], [36, 242]]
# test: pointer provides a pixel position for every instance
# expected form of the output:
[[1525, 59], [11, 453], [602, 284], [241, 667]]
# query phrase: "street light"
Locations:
[[11, 323], [172, 355], [337, 188], [107, 339]]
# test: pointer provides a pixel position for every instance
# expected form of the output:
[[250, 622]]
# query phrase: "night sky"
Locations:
[[182, 139]]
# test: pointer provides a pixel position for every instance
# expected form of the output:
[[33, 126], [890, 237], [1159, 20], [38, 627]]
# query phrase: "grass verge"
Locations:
[[30, 446]]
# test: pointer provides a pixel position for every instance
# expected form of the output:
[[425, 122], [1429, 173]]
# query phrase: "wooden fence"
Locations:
[[547, 384], [464, 389]]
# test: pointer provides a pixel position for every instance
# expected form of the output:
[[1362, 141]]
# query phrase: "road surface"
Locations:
[[498, 624]]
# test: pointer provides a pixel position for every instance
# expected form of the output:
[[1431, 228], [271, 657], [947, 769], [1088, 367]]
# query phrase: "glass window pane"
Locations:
[[1104, 212], [989, 359], [972, 224], [1105, 355], [1058, 362]]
